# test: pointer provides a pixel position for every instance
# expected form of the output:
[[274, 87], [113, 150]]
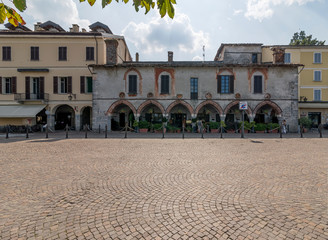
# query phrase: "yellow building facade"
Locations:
[[44, 74], [313, 78]]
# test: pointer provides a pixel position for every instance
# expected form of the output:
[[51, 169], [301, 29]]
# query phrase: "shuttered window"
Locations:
[[317, 95], [6, 53], [225, 84], [90, 53], [317, 57], [62, 53], [287, 58], [27, 87], [8, 85], [258, 84], [133, 84], [165, 84], [62, 84], [317, 75], [35, 53]]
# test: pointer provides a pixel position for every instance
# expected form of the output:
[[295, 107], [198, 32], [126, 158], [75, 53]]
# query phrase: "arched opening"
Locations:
[[234, 117], [266, 114], [64, 115], [208, 113], [121, 114], [151, 113], [178, 115], [86, 117]]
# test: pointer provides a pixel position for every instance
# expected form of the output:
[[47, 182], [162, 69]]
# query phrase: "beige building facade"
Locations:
[[44, 74]]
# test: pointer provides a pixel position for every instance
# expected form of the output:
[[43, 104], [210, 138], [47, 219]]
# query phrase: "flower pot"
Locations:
[[214, 130], [260, 131], [230, 131], [143, 130]]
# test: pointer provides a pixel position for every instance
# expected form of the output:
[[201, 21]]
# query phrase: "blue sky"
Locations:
[[196, 23]]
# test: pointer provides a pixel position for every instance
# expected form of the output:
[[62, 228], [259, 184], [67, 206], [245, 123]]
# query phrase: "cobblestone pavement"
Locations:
[[164, 189]]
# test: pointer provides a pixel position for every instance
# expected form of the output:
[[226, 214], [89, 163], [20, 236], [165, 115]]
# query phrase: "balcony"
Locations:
[[23, 97]]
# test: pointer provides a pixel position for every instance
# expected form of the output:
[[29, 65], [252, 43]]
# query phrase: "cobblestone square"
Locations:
[[164, 189]]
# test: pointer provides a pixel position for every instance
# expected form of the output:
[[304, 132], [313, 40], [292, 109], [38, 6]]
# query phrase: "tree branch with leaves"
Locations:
[[9, 13], [302, 39]]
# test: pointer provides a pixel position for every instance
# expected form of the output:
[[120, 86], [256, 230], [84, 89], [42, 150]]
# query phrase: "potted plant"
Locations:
[[157, 127], [189, 128], [143, 126], [260, 128], [135, 125], [214, 126], [273, 127], [305, 123]]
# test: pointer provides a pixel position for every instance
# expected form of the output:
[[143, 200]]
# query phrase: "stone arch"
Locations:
[[177, 102], [230, 105], [132, 70], [120, 102], [274, 106], [212, 103], [148, 102]]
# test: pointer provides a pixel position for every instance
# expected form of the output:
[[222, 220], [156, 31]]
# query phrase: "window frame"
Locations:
[[230, 87], [289, 58], [60, 85], [314, 94], [314, 58], [90, 54], [62, 53], [257, 92], [254, 58], [6, 53], [5, 85], [314, 76], [35, 53], [165, 78], [133, 77], [194, 88]]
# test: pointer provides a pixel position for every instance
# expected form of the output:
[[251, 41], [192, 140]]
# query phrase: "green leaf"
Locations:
[[20, 4], [3, 14], [82, 0], [91, 2], [105, 2], [13, 17]]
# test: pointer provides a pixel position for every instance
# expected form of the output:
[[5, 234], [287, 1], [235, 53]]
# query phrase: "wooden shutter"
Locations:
[[0, 85], [13, 85], [257, 84], [42, 87], [27, 87], [55, 85], [89, 84], [132, 84], [69, 85], [82, 84], [231, 84], [219, 84], [165, 84]]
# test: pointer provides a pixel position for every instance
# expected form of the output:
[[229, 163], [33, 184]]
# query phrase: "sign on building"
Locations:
[[243, 106]]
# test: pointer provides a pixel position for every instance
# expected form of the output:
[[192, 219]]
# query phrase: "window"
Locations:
[[62, 53], [86, 84], [317, 95], [62, 85], [194, 88], [317, 76], [287, 58], [317, 57], [258, 84], [6, 53], [254, 58], [35, 53], [90, 53], [165, 84], [7, 85], [133, 84], [225, 84]]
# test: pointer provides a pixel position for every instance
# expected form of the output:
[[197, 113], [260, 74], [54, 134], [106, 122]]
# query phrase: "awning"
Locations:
[[20, 111]]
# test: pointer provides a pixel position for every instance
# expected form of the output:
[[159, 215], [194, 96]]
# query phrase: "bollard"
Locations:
[[66, 130], [221, 131], [99, 129], [7, 132], [126, 130], [47, 131], [163, 130], [86, 131], [106, 131], [202, 132], [183, 130], [26, 131], [302, 131], [320, 130], [280, 131]]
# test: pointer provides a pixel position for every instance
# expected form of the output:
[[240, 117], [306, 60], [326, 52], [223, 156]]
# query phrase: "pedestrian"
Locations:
[[284, 126]]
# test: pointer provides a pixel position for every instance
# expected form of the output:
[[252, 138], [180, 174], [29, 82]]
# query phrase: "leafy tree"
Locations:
[[164, 7], [301, 39]]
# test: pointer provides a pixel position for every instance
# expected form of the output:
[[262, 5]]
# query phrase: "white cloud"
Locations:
[[64, 13], [260, 9], [237, 11], [163, 34]]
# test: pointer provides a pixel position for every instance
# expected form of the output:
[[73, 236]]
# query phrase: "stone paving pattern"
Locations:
[[164, 189]]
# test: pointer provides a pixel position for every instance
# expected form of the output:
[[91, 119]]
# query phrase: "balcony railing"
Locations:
[[32, 97]]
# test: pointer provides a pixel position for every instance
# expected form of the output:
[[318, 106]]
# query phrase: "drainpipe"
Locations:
[[96, 48]]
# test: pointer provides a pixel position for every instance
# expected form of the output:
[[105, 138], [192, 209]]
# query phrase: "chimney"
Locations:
[[76, 28], [83, 30], [137, 57], [278, 55], [37, 27], [170, 56], [70, 29]]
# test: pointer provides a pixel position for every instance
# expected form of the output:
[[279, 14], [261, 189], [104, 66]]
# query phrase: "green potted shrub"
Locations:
[[143, 126], [306, 123], [135, 125], [189, 128], [260, 127], [273, 127], [157, 127], [214, 126]]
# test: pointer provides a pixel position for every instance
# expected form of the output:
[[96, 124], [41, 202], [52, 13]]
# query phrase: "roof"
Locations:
[[49, 24], [20, 111], [234, 44], [5, 32], [299, 46], [95, 26]]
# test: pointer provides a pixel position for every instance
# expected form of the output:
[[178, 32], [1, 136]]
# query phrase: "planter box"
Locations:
[[231, 131], [214, 130], [143, 130], [260, 131], [274, 131]]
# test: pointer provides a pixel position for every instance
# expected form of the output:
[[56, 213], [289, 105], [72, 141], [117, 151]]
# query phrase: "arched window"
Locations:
[[257, 83], [165, 83], [133, 83]]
